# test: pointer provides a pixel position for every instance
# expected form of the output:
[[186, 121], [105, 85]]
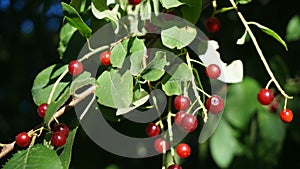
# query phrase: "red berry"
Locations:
[[152, 129], [75, 67], [178, 117], [160, 145], [22, 139], [265, 96], [274, 106], [183, 150], [105, 58], [58, 139], [62, 128], [213, 71], [213, 24], [286, 115], [134, 2], [174, 166], [181, 103], [214, 104], [189, 123], [41, 110]]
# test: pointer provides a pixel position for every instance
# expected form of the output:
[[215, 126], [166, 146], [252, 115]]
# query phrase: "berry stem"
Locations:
[[285, 103], [196, 61], [169, 122], [194, 86], [259, 51], [214, 4], [87, 108], [269, 83], [202, 91], [56, 84], [89, 45]]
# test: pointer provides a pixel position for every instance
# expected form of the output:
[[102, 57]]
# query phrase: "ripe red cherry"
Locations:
[[75, 67], [286, 115], [174, 166], [41, 110], [183, 150], [152, 129], [181, 103], [178, 117], [105, 58], [265, 96], [213, 71], [58, 139], [62, 128], [22, 139], [214, 104], [159, 145], [134, 2], [189, 123], [213, 24]]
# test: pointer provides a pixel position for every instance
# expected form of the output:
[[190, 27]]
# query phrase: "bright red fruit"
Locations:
[[178, 117], [214, 104], [58, 139], [62, 128], [174, 166], [105, 58], [265, 96], [189, 123], [213, 24], [134, 2], [213, 71], [152, 129], [160, 145], [41, 110], [75, 67], [181, 103], [183, 150], [23, 140], [286, 115]]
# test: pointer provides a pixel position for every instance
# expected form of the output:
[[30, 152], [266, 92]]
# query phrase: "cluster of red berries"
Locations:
[[265, 97]]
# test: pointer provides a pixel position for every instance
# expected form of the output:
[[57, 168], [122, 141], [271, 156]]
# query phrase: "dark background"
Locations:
[[29, 39]]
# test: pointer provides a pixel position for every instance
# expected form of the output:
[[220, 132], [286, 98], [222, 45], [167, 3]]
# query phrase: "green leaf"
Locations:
[[243, 1], [191, 10], [293, 29], [170, 3], [81, 80], [271, 33], [172, 82], [76, 4], [136, 60], [178, 37], [73, 17], [44, 81], [55, 105], [66, 32], [118, 55], [100, 5], [137, 45], [155, 7], [115, 90], [145, 10], [137, 103], [243, 96], [223, 152], [38, 156], [155, 68], [66, 154]]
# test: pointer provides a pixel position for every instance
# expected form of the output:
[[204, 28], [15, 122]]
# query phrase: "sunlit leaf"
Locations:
[[293, 29], [191, 10], [178, 37], [170, 3]]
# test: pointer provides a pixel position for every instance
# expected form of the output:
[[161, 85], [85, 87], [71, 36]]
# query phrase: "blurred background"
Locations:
[[29, 37]]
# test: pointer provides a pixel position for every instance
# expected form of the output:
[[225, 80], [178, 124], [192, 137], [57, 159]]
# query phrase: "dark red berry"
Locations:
[[160, 145], [189, 123], [265, 96], [105, 58], [181, 103], [41, 110], [213, 71], [213, 24], [152, 129], [62, 128], [75, 67], [286, 115], [174, 166], [214, 104], [58, 139], [23, 140], [134, 2], [274, 106], [183, 150], [178, 117]]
